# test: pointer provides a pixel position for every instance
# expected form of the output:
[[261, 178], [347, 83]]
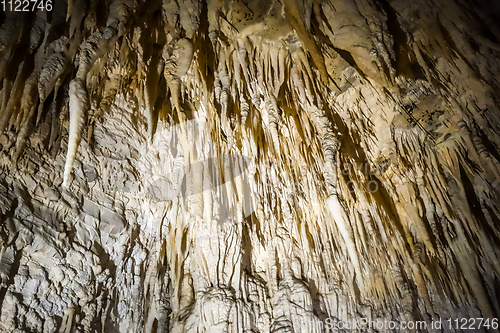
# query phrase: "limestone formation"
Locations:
[[250, 166]]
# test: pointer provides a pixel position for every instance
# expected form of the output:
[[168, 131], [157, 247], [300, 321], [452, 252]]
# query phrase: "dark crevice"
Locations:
[[491, 148], [347, 56], [405, 62]]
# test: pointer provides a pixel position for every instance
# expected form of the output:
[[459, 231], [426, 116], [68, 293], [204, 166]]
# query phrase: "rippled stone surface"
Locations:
[[248, 166]]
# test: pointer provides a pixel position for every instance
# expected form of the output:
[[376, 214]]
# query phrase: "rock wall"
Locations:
[[249, 166]]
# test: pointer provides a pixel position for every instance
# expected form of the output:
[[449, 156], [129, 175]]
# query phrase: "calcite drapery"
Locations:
[[249, 165]]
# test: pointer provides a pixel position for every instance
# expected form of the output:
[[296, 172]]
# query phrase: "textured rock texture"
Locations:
[[248, 166]]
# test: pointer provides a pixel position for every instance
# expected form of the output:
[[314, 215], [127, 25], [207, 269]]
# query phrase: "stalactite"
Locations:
[[150, 91], [78, 106], [176, 66], [294, 17], [108, 96], [10, 35], [12, 104], [24, 131], [95, 46], [50, 75]]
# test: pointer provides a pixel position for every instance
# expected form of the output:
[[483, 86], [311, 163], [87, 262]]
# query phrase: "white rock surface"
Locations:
[[249, 166]]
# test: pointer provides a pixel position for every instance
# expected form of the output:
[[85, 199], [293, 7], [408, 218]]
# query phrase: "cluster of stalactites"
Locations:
[[46, 64], [160, 49], [52, 67], [282, 87]]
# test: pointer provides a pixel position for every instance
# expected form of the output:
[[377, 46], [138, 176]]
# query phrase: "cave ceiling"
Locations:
[[249, 166]]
